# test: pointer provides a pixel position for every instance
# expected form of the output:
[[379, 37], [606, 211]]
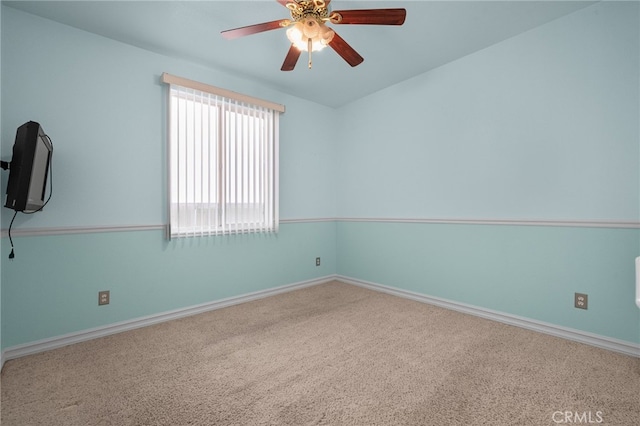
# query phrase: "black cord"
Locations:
[[12, 255]]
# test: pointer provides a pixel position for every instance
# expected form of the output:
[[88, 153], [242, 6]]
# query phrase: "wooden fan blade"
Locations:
[[347, 52], [291, 59], [253, 29], [372, 16]]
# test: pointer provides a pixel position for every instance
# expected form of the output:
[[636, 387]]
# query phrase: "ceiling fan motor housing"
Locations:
[[304, 9]]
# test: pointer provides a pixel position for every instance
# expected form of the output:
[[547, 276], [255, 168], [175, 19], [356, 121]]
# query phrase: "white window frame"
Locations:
[[222, 156]]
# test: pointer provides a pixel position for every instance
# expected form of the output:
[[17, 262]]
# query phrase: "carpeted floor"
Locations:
[[329, 354]]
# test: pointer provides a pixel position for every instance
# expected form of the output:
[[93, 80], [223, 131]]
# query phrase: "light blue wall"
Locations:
[[543, 126], [102, 104], [57, 293], [527, 271]]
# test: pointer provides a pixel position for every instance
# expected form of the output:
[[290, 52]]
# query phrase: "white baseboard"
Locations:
[[615, 345], [94, 333]]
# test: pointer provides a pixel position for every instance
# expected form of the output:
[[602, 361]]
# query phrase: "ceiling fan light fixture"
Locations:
[[309, 29]]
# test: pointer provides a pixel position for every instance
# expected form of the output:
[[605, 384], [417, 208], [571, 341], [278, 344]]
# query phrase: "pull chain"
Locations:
[[309, 46]]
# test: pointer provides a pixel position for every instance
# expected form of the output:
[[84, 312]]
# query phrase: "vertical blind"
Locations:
[[223, 164]]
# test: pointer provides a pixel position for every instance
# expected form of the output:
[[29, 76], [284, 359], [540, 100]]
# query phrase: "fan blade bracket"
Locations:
[[294, 7], [335, 18]]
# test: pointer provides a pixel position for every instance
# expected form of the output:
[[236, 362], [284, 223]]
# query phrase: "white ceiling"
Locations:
[[434, 33]]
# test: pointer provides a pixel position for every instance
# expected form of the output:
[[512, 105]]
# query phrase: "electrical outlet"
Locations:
[[581, 301], [317, 261], [103, 298]]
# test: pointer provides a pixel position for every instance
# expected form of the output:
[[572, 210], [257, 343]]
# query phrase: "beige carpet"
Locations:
[[329, 354]]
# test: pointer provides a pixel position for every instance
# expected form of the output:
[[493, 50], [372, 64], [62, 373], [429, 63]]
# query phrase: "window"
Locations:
[[223, 161]]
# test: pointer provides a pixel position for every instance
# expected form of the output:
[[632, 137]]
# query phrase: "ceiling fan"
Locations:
[[308, 30]]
